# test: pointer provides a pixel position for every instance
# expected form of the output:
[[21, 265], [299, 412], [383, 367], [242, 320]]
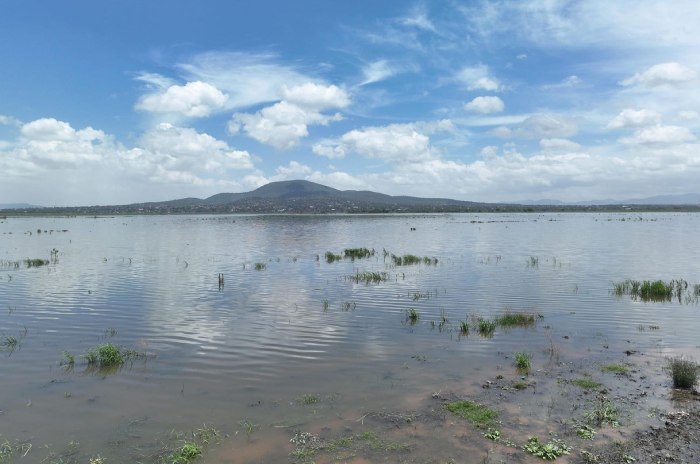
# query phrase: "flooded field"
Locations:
[[276, 339]]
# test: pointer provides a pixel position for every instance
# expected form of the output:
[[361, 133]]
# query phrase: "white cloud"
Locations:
[[418, 19], [688, 115], [568, 82], [283, 124], [478, 78], [339, 180], [294, 170], [377, 71], [182, 149], [502, 132], [672, 74], [194, 99], [9, 121], [248, 79], [485, 105], [660, 135], [316, 96], [396, 142], [48, 140], [548, 126], [634, 118], [559, 145]]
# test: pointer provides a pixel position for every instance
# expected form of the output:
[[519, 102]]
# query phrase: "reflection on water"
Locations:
[[249, 348]]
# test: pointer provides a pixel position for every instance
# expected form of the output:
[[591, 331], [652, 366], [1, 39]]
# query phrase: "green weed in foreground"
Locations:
[[586, 432], [547, 451], [108, 355], [463, 328], [412, 316], [407, 260], [308, 399], [332, 257], [603, 412], [586, 384], [523, 361], [187, 453], [684, 373], [260, 266], [615, 368], [485, 327], [473, 412], [8, 343]]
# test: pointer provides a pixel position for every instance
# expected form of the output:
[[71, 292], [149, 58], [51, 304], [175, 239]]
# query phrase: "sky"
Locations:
[[117, 102]]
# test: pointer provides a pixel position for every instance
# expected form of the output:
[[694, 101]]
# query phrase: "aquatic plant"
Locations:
[[358, 253], [332, 257], [463, 328], [36, 262], [368, 277], [308, 398], [586, 384], [515, 319], [473, 412], [485, 327], [412, 316], [260, 266], [8, 343], [586, 432], [522, 361], [615, 368], [684, 373], [654, 290], [106, 355]]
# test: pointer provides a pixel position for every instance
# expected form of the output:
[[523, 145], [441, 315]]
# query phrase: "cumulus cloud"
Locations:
[[688, 115], [283, 124], [194, 99], [634, 118], [478, 78], [485, 105], [568, 82], [395, 142], [48, 140], [9, 121], [671, 74], [660, 135], [179, 152]]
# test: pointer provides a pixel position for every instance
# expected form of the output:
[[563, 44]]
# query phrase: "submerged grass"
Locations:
[[485, 327], [586, 384], [515, 319], [523, 361], [36, 262], [655, 290], [107, 355], [475, 413], [358, 253], [615, 368], [332, 257], [407, 260], [367, 277]]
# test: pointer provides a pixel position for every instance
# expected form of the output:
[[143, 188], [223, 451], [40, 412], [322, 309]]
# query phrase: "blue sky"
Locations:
[[119, 102]]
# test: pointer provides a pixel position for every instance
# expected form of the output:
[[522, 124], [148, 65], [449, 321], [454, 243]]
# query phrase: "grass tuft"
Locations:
[[513, 319], [473, 412], [485, 327], [523, 361], [684, 373]]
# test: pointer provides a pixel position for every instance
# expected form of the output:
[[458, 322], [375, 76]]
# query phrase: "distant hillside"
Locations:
[[683, 199], [301, 196], [18, 206]]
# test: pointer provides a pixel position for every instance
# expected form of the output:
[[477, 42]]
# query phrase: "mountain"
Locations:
[[683, 199]]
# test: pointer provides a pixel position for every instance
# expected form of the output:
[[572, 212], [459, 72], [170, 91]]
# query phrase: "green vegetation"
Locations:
[[412, 316], [108, 355], [485, 327], [367, 277], [187, 453], [586, 384], [548, 451], [522, 361], [9, 450], [308, 399], [260, 266], [656, 290], [332, 257], [463, 328], [520, 385], [368, 440], [36, 262], [586, 432], [356, 253], [68, 359], [684, 373], [248, 427], [514, 319], [475, 413], [326, 305], [407, 260], [615, 368], [603, 412], [8, 343], [533, 261]]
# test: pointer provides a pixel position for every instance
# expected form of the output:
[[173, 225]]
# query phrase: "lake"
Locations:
[[290, 343]]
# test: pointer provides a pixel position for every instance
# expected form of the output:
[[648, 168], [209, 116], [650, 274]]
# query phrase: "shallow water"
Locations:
[[249, 350]]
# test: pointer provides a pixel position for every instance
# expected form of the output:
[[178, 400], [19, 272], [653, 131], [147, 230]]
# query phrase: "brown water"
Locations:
[[250, 350]]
